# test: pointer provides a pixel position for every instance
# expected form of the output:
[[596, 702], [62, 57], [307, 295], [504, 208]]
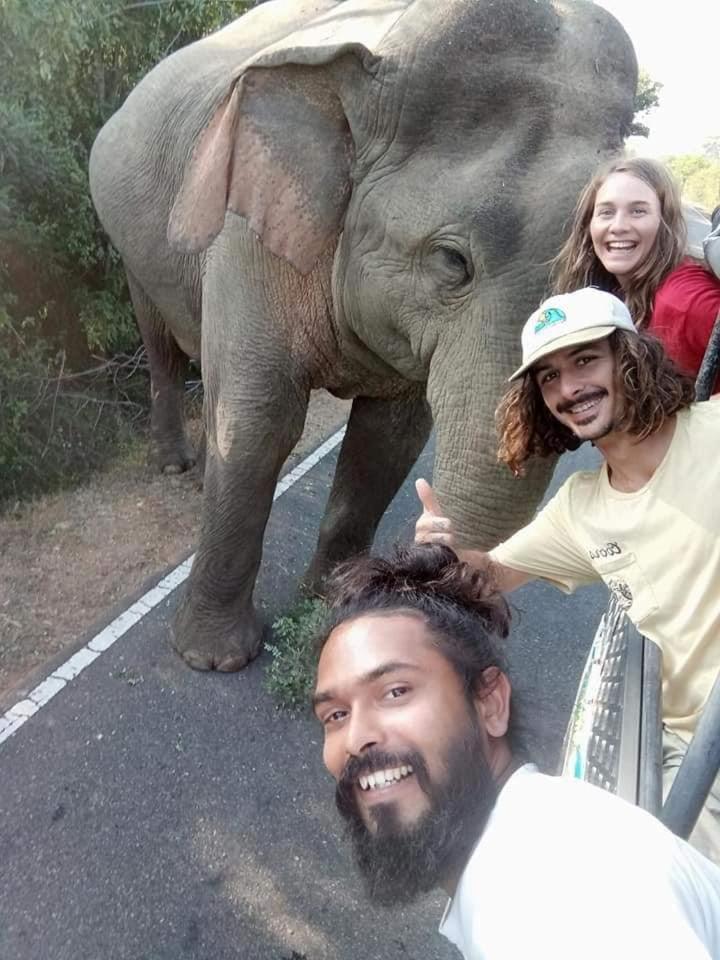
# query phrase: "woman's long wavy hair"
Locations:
[[652, 388], [577, 265]]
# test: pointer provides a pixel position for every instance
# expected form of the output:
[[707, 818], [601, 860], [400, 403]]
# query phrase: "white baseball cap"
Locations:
[[568, 319]]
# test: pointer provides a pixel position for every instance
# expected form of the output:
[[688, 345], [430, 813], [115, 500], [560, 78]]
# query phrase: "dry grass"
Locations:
[[68, 558]]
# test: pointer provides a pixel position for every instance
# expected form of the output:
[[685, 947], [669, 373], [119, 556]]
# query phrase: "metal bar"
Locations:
[[697, 770], [710, 365], [628, 761], [650, 765], [701, 763]]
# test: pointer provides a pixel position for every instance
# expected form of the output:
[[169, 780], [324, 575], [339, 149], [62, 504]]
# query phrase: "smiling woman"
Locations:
[[629, 237], [624, 225]]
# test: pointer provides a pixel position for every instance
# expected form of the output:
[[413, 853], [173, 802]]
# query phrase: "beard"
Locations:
[[599, 431], [593, 430], [398, 862]]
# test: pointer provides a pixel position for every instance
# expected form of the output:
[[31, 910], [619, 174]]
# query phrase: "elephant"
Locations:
[[360, 196]]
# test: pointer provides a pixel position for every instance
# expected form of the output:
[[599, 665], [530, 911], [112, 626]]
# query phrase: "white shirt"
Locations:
[[566, 871]]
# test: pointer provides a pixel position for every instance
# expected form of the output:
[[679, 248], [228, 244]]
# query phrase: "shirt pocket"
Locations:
[[626, 579]]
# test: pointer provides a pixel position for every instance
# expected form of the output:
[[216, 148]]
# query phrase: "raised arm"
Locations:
[[433, 527]]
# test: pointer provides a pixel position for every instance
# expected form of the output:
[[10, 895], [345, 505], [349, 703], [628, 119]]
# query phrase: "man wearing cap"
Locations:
[[647, 522]]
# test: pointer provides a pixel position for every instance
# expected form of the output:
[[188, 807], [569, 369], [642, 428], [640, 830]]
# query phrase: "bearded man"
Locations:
[[420, 735]]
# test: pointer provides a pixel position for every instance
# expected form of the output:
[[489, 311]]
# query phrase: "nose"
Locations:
[[619, 222], [571, 384], [363, 732]]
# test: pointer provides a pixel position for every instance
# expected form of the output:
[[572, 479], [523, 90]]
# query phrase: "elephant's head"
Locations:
[[446, 142]]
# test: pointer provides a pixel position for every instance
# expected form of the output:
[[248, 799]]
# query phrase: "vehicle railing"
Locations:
[[614, 739], [710, 366], [697, 771]]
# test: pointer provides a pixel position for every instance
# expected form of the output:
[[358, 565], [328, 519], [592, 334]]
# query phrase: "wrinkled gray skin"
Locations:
[[364, 197]]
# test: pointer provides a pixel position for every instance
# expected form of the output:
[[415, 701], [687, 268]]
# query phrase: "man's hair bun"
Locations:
[[421, 573]]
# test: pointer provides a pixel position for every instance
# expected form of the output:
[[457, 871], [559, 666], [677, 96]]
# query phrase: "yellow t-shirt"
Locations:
[[657, 549]]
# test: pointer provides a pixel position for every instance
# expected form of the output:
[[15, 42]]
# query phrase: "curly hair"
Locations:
[[651, 385], [577, 265]]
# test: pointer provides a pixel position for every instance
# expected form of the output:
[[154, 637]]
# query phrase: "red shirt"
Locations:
[[686, 305]]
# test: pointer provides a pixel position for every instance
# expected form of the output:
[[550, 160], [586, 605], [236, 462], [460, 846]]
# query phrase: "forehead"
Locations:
[[360, 646], [624, 186]]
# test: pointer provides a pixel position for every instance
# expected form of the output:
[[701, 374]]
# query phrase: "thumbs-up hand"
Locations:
[[432, 526]]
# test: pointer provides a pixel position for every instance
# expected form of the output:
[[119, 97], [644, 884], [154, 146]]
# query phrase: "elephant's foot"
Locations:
[[315, 577], [175, 459], [313, 581], [206, 644]]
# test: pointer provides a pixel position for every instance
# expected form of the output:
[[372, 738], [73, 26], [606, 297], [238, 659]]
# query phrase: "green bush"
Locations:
[[699, 179], [67, 65], [57, 427], [291, 672]]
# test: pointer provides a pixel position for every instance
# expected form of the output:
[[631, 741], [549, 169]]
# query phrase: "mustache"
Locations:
[[370, 762], [567, 405]]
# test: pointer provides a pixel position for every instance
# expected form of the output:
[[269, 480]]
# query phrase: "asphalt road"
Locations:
[[148, 812]]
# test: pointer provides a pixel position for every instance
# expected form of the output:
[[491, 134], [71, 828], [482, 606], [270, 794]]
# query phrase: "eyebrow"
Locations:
[[633, 203], [540, 367], [380, 671]]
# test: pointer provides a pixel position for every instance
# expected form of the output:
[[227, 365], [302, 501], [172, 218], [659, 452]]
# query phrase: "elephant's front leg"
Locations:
[[383, 440], [249, 436], [254, 414]]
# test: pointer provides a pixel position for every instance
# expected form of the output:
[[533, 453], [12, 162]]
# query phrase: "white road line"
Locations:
[[16, 716]]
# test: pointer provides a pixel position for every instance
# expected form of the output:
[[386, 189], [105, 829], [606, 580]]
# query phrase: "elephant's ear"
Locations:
[[279, 149]]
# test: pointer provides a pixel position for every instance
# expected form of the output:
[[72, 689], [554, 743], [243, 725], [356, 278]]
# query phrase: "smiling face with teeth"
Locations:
[[624, 225], [578, 386], [391, 705], [382, 779]]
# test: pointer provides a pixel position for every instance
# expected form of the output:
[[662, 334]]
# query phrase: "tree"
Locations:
[[699, 179], [647, 97], [67, 66], [711, 148]]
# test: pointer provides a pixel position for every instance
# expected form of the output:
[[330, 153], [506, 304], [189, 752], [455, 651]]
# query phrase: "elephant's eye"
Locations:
[[454, 267]]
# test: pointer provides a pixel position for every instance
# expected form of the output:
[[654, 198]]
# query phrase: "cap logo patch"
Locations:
[[549, 317]]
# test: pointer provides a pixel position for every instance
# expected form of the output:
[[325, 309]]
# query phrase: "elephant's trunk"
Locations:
[[484, 500]]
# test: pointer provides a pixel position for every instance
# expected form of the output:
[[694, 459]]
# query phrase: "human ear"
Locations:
[[492, 702]]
